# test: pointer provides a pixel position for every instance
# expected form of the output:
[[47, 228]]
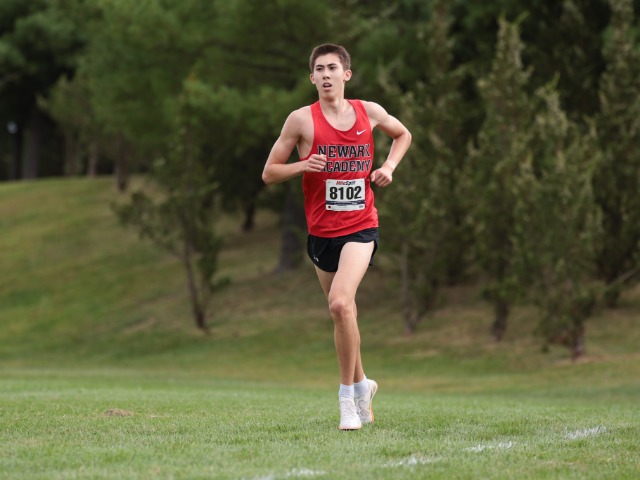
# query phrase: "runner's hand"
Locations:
[[315, 163], [382, 176]]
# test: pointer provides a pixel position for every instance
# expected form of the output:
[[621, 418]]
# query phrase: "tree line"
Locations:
[[524, 173]]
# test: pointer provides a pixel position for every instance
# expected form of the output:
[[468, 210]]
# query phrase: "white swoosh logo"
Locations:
[[360, 132]]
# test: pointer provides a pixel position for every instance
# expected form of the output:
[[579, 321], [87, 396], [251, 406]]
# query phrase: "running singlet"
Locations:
[[339, 200]]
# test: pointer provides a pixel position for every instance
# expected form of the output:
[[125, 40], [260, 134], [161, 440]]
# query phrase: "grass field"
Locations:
[[102, 374]]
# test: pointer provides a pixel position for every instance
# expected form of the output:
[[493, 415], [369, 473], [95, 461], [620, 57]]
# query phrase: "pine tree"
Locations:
[[178, 211], [503, 145], [556, 224], [423, 209], [617, 181]]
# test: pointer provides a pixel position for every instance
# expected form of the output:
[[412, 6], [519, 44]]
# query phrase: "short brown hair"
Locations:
[[326, 48]]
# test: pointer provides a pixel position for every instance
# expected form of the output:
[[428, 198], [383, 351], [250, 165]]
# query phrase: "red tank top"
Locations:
[[339, 200]]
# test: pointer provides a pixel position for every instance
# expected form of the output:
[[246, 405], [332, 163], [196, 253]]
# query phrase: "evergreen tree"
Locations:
[[556, 224], [178, 210], [424, 212], [564, 39], [69, 104], [617, 180], [40, 41], [502, 147]]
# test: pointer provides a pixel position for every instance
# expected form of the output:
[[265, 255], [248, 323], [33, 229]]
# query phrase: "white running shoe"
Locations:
[[349, 419], [363, 404]]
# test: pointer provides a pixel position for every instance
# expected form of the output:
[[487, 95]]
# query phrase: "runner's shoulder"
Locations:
[[299, 120], [375, 111], [302, 114], [373, 108]]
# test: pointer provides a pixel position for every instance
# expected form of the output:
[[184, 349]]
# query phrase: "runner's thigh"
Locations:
[[326, 279], [354, 262]]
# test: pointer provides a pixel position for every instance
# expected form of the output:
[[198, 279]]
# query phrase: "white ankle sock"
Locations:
[[362, 387], [346, 391]]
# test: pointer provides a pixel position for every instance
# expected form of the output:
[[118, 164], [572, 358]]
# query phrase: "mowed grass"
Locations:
[[107, 425], [102, 374]]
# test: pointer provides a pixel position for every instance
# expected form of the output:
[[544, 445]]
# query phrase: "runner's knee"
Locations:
[[341, 307]]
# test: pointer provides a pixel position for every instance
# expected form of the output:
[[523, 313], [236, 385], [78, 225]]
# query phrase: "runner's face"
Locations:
[[329, 76]]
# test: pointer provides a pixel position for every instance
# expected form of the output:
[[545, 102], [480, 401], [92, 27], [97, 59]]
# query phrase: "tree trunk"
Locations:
[[614, 286], [92, 164], [249, 217], [612, 294], [405, 287], [32, 148], [197, 308], [71, 155], [499, 327], [293, 224], [578, 343], [122, 167], [16, 157]]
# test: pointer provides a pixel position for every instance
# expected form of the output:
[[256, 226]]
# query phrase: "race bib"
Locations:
[[345, 195]]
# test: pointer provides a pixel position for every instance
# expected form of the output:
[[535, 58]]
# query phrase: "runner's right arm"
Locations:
[[277, 170]]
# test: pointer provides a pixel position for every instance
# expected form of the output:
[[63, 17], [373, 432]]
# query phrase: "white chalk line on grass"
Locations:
[[586, 432], [295, 473], [303, 472], [575, 435], [497, 446], [411, 461], [417, 459]]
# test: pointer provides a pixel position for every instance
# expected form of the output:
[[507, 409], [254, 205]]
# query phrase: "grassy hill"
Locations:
[[103, 375], [77, 289]]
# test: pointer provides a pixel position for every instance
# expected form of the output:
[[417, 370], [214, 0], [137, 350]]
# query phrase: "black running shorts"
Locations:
[[325, 252]]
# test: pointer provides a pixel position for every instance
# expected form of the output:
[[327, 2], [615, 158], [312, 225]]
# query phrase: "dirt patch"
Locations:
[[116, 412]]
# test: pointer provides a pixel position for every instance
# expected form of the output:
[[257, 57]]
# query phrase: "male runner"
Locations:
[[335, 144]]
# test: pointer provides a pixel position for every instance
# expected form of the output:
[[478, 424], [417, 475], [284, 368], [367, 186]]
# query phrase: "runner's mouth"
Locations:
[[326, 85]]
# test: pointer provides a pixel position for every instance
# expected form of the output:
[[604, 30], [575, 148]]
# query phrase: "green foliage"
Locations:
[[617, 180], [557, 223], [382, 34], [257, 73], [423, 211], [503, 145], [249, 77], [69, 104], [537, 222], [137, 62], [182, 220], [267, 43], [564, 39], [239, 133], [40, 41], [117, 77]]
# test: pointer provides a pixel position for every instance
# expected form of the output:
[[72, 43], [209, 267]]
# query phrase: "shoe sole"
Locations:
[[374, 389], [349, 429]]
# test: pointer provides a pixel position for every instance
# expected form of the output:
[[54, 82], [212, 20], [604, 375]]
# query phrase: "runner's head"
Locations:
[[340, 51]]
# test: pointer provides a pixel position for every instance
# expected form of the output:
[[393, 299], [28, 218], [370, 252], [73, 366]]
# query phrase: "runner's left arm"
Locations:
[[401, 136]]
